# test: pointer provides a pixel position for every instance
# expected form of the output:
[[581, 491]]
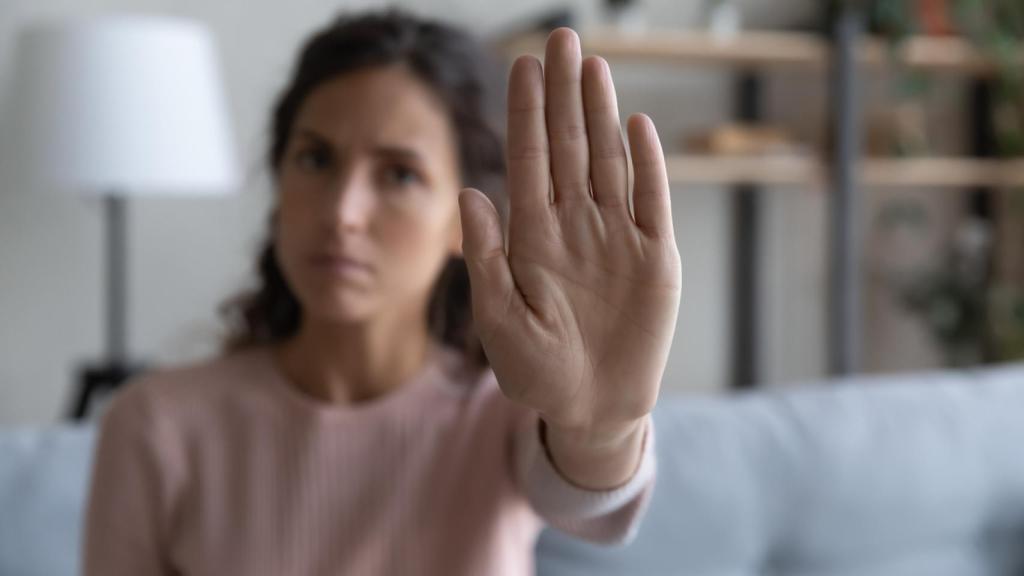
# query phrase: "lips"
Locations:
[[341, 266]]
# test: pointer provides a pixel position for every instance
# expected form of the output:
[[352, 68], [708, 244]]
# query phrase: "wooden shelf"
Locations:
[[943, 172], [877, 173], [765, 49], [728, 170], [752, 48]]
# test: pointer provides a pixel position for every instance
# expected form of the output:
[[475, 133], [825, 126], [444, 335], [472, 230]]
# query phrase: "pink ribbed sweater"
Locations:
[[225, 468]]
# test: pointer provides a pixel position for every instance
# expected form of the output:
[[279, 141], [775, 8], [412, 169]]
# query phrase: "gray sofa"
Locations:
[[912, 475]]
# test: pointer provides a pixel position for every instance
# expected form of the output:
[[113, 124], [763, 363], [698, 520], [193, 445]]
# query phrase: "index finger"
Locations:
[[529, 180]]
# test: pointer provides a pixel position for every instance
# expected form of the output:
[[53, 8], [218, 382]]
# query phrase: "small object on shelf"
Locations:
[[626, 16], [934, 17], [900, 19], [723, 19], [523, 36], [742, 140], [900, 130]]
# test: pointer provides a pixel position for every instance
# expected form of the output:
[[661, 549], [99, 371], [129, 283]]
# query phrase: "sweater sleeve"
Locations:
[[602, 517], [127, 509]]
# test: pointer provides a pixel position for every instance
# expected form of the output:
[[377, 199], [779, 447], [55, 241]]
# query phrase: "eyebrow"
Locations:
[[401, 152]]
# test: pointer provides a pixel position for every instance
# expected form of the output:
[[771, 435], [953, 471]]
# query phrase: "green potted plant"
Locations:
[[974, 312]]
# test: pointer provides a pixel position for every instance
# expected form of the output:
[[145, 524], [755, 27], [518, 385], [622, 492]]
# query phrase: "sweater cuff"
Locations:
[[557, 497]]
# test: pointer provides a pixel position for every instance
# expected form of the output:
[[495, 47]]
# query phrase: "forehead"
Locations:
[[379, 106]]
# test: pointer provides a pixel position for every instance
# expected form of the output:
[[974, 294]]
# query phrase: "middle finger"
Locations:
[[566, 124]]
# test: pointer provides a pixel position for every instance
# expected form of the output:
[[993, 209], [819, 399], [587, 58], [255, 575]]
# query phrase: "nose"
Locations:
[[354, 202]]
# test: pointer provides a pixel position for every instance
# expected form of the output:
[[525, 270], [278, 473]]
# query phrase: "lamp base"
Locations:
[[96, 382]]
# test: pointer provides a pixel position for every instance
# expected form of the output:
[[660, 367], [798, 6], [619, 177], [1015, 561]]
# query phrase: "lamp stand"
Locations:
[[116, 368], [115, 213]]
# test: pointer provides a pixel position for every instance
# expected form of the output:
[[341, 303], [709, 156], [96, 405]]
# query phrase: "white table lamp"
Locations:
[[117, 106]]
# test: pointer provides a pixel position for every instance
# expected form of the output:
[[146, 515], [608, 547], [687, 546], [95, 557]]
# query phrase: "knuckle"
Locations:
[[607, 151], [529, 152], [574, 185], [571, 132]]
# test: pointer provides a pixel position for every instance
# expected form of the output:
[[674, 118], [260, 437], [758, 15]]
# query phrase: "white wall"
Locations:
[[187, 256]]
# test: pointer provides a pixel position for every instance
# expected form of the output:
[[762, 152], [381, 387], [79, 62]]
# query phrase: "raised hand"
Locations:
[[577, 314]]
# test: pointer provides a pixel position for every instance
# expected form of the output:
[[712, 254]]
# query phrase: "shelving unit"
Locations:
[[845, 54], [769, 50]]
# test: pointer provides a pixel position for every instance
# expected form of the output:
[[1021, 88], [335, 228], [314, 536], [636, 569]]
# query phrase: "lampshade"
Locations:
[[121, 104]]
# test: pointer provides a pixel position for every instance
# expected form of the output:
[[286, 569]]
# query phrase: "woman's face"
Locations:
[[368, 197]]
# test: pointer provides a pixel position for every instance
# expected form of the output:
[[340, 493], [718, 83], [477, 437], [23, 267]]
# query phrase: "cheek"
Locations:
[[418, 247], [291, 230]]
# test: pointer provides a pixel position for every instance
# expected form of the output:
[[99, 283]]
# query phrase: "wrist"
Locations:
[[596, 459], [604, 438]]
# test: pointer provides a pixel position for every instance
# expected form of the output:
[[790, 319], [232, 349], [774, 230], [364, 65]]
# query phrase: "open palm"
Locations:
[[577, 314]]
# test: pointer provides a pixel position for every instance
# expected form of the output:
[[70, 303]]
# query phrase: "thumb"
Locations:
[[483, 247]]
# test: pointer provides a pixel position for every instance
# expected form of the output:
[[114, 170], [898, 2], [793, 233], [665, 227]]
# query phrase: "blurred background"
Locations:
[[830, 219]]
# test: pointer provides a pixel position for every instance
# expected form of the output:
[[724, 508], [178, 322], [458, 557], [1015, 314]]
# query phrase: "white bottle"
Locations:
[[723, 19]]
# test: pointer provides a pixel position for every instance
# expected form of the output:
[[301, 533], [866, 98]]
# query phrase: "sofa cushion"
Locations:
[[919, 474], [43, 481]]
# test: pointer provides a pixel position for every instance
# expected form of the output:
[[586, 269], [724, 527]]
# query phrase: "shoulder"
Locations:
[[156, 422], [186, 391]]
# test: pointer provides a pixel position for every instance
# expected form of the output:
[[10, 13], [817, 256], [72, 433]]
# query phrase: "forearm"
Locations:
[[597, 461]]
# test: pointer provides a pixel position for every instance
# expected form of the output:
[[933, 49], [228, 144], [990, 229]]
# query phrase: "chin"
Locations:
[[342, 309]]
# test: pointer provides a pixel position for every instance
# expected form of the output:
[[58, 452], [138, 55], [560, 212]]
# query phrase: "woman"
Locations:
[[354, 427]]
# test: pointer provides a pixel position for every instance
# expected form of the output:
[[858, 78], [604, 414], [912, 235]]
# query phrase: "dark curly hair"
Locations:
[[468, 80]]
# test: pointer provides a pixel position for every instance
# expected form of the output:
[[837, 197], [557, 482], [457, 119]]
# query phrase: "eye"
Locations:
[[314, 159], [401, 175]]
